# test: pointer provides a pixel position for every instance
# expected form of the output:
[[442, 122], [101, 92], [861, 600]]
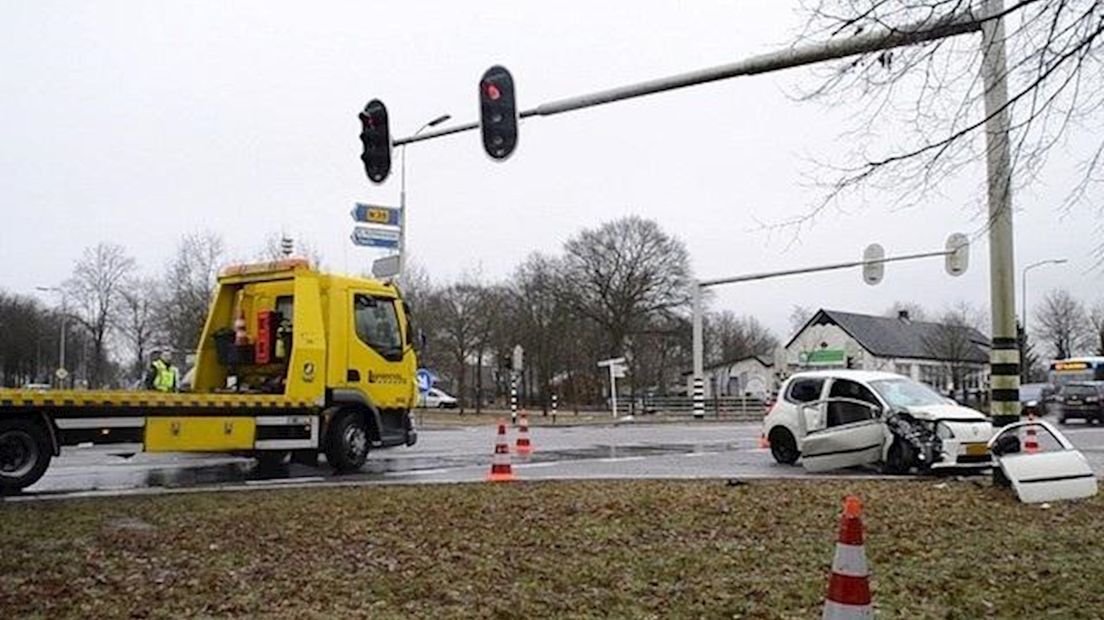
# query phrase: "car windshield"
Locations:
[[904, 393], [1080, 389]]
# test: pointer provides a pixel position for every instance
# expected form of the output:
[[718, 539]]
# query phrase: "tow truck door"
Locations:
[[376, 350], [853, 433]]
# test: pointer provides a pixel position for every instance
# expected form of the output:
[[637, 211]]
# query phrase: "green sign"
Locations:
[[823, 357]]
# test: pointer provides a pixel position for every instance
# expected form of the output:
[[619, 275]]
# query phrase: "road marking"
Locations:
[[620, 459]]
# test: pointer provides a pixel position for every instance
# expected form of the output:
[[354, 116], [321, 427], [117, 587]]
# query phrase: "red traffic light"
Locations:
[[492, 91]]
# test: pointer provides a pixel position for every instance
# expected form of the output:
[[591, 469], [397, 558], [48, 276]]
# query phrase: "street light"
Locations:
[[402, 191], [1023, 311], [64, 314]]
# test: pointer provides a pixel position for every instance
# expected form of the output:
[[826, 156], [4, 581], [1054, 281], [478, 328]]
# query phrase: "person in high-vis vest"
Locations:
[[162, 374]]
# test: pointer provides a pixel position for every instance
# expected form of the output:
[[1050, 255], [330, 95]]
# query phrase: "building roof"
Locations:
[[901, 337], [759, 358]]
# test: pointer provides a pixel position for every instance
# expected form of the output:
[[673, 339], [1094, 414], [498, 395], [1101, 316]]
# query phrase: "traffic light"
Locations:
[[498, 115], [376, 137]]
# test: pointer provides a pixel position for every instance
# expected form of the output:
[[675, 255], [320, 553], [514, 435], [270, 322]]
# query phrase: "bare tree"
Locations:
[[1060, 321], [730, 337], [539, 318], [1096, 320], [935, 90], [799, 316], [139, 319], [454, 315], [624, 274], [188, 285], [954, 339], [95, 289]]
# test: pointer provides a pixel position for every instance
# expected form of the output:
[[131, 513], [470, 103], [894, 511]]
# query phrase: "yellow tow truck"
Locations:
[[291, 360]]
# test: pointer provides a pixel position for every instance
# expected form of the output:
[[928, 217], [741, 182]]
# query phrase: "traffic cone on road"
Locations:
[[524, 447], [764, 443], [501, 470], [1031, 438], [849, 584]]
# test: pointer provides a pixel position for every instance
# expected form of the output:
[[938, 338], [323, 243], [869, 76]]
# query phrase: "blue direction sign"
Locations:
[[375, 214], [375, 237], [425, 380]]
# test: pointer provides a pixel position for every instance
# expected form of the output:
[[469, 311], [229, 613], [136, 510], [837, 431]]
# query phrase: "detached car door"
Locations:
[[853, 433]]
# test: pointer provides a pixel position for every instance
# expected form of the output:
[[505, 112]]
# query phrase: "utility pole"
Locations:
[[402, 191], [1004, 356]]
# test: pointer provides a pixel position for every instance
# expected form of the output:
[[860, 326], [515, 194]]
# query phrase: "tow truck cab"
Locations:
[[331, 340]]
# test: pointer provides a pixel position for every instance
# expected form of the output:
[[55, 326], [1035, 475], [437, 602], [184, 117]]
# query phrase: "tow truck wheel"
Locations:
[[347, 446], [783, 447], [25, 454]]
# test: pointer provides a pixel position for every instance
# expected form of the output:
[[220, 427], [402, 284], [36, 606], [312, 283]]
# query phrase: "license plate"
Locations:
[[976, 449]]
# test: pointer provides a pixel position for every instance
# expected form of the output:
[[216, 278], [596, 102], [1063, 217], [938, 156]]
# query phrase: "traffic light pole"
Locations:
[[1004, 357]]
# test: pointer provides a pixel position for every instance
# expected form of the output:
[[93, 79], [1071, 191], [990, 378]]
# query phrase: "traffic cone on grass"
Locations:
[[524, 447], [501, 470], [849, 584], [1031, 438]]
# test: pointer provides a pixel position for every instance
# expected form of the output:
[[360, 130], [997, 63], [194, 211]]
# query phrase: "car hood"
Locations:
[[946, 412]]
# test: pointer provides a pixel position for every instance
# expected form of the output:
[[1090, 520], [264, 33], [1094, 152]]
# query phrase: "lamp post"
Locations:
[[1023, 285], [64, 314], [402, 191]]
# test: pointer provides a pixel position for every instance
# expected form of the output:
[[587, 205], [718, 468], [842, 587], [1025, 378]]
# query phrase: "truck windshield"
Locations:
[[905, 393], [377, 325]]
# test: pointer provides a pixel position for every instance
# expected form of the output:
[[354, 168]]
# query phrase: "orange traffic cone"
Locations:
[[1031, 439], [849, 585], [501, 470], [524, 447], [764, 443]]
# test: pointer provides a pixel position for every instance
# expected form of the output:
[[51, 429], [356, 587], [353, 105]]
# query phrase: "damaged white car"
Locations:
[[842, 418]]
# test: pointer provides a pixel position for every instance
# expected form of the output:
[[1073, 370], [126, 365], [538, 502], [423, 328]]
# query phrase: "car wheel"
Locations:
[[899, 459], [347, 447], [783, 446]]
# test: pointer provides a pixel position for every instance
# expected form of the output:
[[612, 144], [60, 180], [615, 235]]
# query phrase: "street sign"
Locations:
[[958, 260], [375, 237], [375, 214], [424, 379], [61, 374], [386, 267], [618, 372], [618, 361], [873, 271], [518, 358]]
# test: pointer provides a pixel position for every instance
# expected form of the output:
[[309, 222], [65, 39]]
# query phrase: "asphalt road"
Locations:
[[463, 454]]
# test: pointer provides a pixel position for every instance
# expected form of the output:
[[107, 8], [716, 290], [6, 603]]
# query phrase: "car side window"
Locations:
[[805, 390], [849, 408]]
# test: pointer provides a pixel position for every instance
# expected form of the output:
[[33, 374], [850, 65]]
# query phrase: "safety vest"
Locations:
[[164, 378]]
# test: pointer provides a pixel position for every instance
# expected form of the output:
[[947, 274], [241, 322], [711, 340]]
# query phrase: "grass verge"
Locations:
[[641, 549]]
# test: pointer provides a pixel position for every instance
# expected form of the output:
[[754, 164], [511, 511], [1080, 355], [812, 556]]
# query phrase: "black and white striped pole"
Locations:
[[513, 398], [555, 406], [699, 355]]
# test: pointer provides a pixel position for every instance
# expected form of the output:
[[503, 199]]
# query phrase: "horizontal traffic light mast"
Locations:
[[875, 40]]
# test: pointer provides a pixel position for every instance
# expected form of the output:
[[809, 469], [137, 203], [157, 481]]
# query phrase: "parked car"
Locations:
[[1084, 400], [841, 418], [437, 399]]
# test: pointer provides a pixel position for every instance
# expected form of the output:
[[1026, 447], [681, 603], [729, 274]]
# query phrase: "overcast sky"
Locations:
[[136, 122]]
